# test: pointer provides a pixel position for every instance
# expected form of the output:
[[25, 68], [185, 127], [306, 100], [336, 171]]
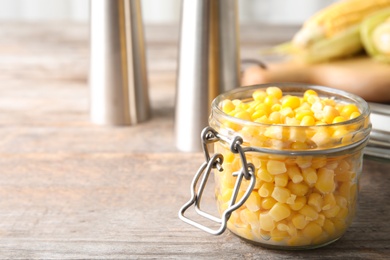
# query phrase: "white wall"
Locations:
[[159, 11]]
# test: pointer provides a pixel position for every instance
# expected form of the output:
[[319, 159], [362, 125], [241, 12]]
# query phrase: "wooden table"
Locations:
[[73, 190]]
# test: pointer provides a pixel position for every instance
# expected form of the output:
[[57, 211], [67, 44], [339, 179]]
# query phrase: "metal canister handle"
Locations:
[[209, 135]]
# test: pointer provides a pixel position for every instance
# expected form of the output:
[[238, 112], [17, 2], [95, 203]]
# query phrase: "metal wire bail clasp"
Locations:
[[209, 135]]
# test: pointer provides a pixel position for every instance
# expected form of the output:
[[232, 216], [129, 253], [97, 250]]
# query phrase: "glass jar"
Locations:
[[284, 186]]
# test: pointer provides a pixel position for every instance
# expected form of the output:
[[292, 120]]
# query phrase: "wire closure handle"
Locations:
[[209, 135]]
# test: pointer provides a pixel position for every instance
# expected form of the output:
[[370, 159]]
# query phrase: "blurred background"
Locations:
[[160, 11]]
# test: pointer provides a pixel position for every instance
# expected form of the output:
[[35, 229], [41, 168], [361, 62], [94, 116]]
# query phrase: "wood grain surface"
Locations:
[[73, 190]]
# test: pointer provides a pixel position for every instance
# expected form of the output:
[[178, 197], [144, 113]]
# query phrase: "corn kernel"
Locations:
[[250, 218], [243, 115], [278, 236], [308, 121], [279, 212], [294, 174], [291, 101], [318, 162], [302, 113], [332, 212], [276, 118], [264, 175], [329, 227], [228, 106], [315, 200], [338, 119], [276, 167], [320, 220], [329, 201], [281, 180], [259, 95], [309, 93], [266, 222], [299, 221], [266, 189], [304, 161], [312, 230], [253, 201], [348, 110], [330, 113], [325, 182], [267, 203], [276, 107], [298, 203], [275, 92], [309, 176], [309, 212], [354, 115], [299, 189], [281, 194]]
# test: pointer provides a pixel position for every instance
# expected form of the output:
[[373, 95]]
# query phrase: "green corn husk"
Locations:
[[342, 45], [367, 29]]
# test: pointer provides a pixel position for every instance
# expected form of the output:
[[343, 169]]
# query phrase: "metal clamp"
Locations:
[[209, 135]]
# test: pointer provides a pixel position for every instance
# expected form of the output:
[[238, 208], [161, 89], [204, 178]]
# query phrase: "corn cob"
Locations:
[[333, 32], [375, 35]]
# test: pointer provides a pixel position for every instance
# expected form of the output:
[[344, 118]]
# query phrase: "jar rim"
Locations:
[[245, 94], [363, 105]]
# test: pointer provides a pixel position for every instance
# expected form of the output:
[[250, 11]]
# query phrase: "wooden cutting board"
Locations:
[[363, 76]]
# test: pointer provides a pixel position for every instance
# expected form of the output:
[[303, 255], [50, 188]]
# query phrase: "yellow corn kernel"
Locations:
[[281, 194], [339, 225], [281, 180], [264, 175], [320, 220], [315, 200], [250, 218], [304, 161], [343, 213], [276, 107], [266, 189], [325, 182], [338, 119], [348, 110], [329, 201], [297, 134], [282, 225], [329, 227], [271, 100], [332, 212], [299, 240], [341, 201], [329, 114], [308, 121], [299, 189], [253, 201], [321, 138], [344, 189], [343, 176], [279, 212], [318, 162], [258, 114], [354, 115], [276, 118], [244, 115], [309, 212], [309, 176], [291, 101], [294, 173], [312, 230], [287, 111], [267, 203], [226, 194], [298, 203], [299, 221], [278, 236], [259, 95], [308, 93], [266, 222], [321, 239], [228, 106], [276, 167], [302, 113], [275, 92]]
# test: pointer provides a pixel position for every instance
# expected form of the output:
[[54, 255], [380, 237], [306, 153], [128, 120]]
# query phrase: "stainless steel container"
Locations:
[[118, 78], [208, 64]]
